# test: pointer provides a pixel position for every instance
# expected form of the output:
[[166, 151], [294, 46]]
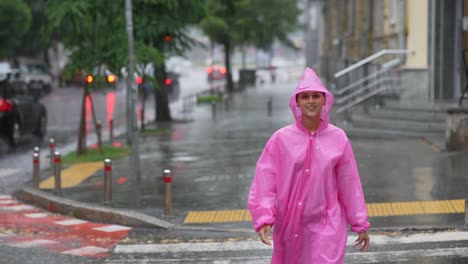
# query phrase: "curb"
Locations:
[[88, 211]]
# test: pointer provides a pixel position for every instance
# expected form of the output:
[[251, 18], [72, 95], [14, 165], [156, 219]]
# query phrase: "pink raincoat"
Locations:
[[308, 187]]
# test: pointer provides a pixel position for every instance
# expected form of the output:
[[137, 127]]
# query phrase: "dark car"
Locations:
[[21, 113]]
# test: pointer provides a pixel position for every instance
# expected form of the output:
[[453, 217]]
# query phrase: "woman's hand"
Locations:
[[363, 241], [263, 232]]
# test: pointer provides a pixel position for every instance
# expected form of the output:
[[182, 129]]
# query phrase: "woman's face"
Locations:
[[311, 103]]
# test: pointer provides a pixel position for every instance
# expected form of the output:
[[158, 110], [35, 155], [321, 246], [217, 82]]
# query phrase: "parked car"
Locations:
[[35, 74], [7, 69], [216, 72], [21, 113]]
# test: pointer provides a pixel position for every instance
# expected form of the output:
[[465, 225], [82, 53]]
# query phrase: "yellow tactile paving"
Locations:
[[459, 205], [438, 207], [379, 209], [373, 209], [73, 175], [407, 208]]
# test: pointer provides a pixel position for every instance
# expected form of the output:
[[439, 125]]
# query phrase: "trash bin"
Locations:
[[247, 76]]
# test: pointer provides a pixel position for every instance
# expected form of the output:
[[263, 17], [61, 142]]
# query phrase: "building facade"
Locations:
[[345, 32]]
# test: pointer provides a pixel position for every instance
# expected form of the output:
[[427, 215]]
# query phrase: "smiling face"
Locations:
[[311, 104]]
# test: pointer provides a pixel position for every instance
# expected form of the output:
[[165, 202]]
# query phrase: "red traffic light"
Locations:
[[89, 79], [168, 81], [139, 80], [167, 38]]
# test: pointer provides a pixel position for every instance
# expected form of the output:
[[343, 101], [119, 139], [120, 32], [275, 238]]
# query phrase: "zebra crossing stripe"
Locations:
[[84, 251], [36, 215], [257, 245], [70, 222], [379, 257], [33, 243], [21, 207]]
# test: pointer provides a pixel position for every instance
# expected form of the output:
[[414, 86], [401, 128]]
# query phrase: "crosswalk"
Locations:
[[438, 247], [24, 226]]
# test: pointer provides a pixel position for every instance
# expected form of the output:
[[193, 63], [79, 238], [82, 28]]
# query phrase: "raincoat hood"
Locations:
[[310, 82]]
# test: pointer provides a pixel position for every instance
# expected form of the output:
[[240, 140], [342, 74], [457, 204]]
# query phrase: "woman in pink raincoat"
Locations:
[[307, 185]]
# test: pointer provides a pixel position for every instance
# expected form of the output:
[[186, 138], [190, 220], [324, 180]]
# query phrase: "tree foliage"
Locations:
[[93, 30], [235, 23], [35, 41], [15, 21]]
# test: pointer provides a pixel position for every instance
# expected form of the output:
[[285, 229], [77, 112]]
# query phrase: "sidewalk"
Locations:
[[407, 184]]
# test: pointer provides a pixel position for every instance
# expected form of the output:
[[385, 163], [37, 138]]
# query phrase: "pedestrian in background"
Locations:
[[307, 186]]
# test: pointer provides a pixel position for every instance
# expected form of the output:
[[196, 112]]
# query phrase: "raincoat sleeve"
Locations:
[[263, 192], [350, 192]]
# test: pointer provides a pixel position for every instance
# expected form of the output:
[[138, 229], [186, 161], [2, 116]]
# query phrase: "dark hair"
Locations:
[[297, 95]]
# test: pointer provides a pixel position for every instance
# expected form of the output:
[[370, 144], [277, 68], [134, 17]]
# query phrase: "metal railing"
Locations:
[[370, 85]]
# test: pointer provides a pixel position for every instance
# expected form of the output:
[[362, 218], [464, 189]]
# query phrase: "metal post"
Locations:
[[142, 114], [36, 150], [58, 184], [107, 181], [51, 153], [99, 134], [213, 109], [36, 164], [167, 193], [111, 130], [270, 104]]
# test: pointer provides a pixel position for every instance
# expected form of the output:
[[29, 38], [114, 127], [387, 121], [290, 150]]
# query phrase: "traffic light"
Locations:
[[139, 80], [111, 78], [167, 38], [89, 79]]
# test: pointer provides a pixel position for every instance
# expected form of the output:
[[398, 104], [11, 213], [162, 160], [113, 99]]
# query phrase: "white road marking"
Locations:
[[256, 245], [243, 260], [7, 172], [7, 202], [33, 243], [189, 247], [90, 250], [70, 222], [17, 208], [36, 215], [358, 257], [379, 257], [111, 228], [415, 238]]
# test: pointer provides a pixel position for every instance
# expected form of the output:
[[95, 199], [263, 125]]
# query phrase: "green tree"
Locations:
[[15, 18], [161, 29], [236, 23], [35, 42], [95, 33]]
